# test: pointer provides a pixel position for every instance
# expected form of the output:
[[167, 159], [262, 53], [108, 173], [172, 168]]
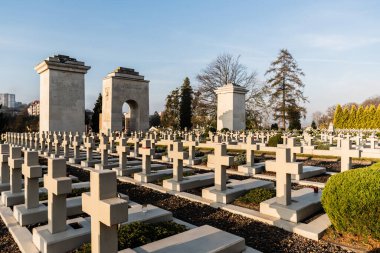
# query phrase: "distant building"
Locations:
[[8, 100], [34, 108]]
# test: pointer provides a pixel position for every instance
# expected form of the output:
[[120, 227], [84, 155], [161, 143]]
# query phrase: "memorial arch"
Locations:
[[125, 85]]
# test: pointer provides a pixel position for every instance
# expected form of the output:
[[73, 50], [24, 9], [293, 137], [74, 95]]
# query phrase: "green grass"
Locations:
[[258, 195]]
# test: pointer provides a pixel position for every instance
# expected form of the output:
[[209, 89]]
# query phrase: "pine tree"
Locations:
[[338, 117], [313, 125], [185, 109], [95, 117], [286, 86], [294, 118]]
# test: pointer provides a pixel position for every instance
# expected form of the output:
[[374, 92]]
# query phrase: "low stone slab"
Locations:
[[304, 204], [136, 168], [148, 214], [38, 215], [64, 241], [154, 175], [201, 239], [309, 171], [189, 182], [315, 229], [234, 190], [252, 170]]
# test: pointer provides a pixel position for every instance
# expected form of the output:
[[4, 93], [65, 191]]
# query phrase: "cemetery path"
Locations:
[[258, 235]]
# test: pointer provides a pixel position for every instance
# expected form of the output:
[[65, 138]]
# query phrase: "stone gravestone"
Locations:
[[106, 211], [59, 235], [4, 168], [178, 155], [32, 211], [15, 195], [221, 163]]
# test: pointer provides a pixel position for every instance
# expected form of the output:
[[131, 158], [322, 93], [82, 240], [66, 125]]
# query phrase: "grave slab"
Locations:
[[154, 175], [234, 190], [304, 203], [309, 171], [201, 239], [189, 182], [252, 170]]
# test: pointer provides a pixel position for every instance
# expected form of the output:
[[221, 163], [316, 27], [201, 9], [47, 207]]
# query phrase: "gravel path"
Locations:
[[258, 235]]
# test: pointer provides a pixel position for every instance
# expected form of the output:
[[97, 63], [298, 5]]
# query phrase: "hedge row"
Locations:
[[357, 118]]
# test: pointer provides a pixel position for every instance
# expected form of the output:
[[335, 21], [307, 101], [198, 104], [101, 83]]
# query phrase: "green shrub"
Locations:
[[352, 201], [258, 195], [274, 140]]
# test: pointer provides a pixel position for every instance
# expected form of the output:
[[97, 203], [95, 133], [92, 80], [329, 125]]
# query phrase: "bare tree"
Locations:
[[227, 69]]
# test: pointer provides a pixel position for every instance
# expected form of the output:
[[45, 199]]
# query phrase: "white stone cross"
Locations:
[[103, 148], [106, 211], [221, 162], [347, 153], [76, 145], [89, 145], [31, 171], [15, 162], [146, 151], [123, 151], [192, 143], [178, 155], [284, 169], [66, 145], [58, 185], [4, 168], [250, 148]]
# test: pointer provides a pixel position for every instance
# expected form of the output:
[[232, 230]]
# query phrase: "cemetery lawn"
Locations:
[[355, 242], [253, 198], [7, 243]]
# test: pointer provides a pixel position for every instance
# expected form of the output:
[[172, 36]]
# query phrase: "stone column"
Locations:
[[62, 94]]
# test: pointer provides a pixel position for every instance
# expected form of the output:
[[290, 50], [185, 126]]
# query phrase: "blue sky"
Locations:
[[336, 43]]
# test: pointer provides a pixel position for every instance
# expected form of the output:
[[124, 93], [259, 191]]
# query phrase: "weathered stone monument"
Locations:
[[231, 107], [125, 85], [62, 94]]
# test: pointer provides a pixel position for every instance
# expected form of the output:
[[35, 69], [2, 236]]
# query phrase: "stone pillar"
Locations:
[[231, 107], [31, 171], [62, 94], [58, 185], [106, 211]]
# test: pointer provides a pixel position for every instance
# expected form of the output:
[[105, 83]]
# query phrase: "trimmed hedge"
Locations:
[[352, 201]]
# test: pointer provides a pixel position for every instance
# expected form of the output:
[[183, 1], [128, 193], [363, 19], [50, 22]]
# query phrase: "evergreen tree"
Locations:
[[345, 118], [361, 119], [313, 125], [95, 117], [377, 118], [154, 120], [170, 116], [372, 117], [185, 109], [286, 86], [352, 119], [338, 117], [294, 118]]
